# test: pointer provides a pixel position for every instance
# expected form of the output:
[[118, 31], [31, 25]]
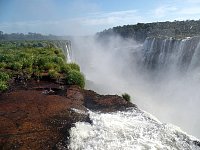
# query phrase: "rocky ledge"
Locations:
[[39, 115]]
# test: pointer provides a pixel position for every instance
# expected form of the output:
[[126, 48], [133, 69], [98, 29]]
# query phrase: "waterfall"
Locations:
[[174, 98], [68, 53], [165, 53], [129, 130], [65, 45]]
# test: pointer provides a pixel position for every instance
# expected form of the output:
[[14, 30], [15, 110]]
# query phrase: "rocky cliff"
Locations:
[[40, 115]]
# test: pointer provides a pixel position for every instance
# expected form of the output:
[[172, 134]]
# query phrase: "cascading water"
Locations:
[[160, 53], [68, 53], [129, 130], [65, 45], [114, 68]]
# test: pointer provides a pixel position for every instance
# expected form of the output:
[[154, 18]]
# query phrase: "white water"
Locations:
[[171, 54], [69, 59], [130, 130], [174, 98]]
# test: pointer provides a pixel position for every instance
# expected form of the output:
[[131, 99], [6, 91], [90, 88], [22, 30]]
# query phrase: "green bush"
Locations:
[[65, 68], [57, 60], [74, 66], [61, 55], [4, 76], [48, 66], [3, 86], [126, 97], [41, 60], [56, 51], [17, 66], [2, 65], [53, 74], [26, 62], [75, 78]]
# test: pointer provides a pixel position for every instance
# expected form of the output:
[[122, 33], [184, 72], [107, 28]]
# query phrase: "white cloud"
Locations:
[[163, 11], [112, 18], [178, 10]]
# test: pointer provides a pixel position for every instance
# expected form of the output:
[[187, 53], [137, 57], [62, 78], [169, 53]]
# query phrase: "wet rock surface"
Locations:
[[39, 115]]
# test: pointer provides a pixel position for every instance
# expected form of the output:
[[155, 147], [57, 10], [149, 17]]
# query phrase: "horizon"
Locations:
[[87, 17], [26, 33]]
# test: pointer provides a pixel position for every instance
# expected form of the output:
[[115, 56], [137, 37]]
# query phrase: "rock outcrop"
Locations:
[[40, 115]]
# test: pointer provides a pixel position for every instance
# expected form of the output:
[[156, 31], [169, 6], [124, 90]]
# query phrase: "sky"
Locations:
[[86, 17]]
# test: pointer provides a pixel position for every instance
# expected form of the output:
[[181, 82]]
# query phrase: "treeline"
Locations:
[[140, 31], [29, 36]]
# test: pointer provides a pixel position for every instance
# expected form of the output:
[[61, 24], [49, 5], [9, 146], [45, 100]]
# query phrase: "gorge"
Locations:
[[161, 73]]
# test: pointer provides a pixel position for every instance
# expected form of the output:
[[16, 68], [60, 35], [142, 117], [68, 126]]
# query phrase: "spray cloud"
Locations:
[[112, 68]]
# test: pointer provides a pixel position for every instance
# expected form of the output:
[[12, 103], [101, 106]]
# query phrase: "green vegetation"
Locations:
[[4, 77], [75, 78], [140, 31], [126, 97], [38, 60], [74, 66], [29, 36]]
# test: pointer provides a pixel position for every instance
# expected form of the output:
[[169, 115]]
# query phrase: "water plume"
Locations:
[[160, 74]]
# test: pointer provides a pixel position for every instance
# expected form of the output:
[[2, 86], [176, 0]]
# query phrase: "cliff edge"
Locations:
[[40, 115]]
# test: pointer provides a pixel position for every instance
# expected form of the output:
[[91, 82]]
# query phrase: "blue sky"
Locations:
[[85, 17]]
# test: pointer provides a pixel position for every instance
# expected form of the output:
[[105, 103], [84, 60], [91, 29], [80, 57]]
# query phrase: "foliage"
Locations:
[[126, 97], [3, 86], [17, 66], [75, 78], [29, 36], [36, 59], [53, 74], [65, 68], [4, 77], [74, 66], [140, 31]]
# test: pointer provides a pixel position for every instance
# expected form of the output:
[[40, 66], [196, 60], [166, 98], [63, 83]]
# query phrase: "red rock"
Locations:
[[33, 119]]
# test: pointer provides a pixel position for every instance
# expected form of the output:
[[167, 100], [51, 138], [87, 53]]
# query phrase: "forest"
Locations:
[[29, 36], [140, 31]]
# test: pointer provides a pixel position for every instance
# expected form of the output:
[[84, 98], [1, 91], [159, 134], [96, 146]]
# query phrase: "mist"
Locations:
[[112, 67]]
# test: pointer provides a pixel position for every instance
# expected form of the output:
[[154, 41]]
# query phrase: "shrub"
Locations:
[[75, 78], [56, 51], [126, 97], [61, 55], [58, 60], [16, 66], [4, 76], [65, 68], [74, 66], [28, 71], [2, 65], [41, 60], [26, 62], [53, 74], [48, 66], [3, 86]]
